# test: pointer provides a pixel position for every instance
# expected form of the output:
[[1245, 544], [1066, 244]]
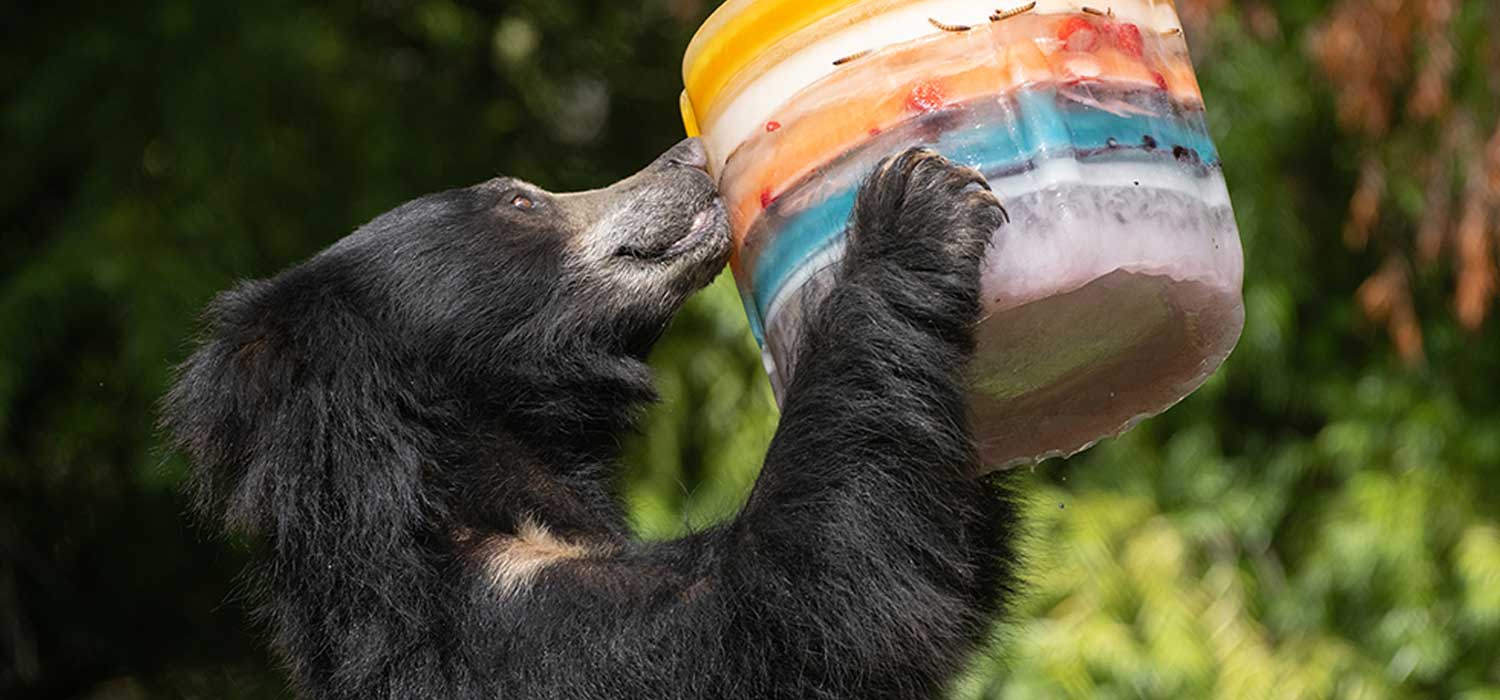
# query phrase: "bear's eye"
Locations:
[[521, 201]]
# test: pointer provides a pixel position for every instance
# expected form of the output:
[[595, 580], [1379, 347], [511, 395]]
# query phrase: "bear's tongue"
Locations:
[[702, 219]]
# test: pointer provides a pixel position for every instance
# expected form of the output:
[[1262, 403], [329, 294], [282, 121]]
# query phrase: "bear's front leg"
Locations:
[[879, 553]]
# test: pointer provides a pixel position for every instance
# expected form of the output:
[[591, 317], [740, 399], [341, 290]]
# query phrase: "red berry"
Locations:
[[772, 126], [924, 97], [1127, 37], [1161, 80], [766, 198], [1078, 34]]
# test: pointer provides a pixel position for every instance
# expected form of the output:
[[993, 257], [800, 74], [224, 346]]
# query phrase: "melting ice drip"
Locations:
[[1115, 289]]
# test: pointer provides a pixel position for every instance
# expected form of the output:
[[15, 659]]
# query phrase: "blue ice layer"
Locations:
[[1007, 136]]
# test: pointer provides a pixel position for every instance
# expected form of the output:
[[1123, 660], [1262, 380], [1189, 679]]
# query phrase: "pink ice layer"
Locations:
[[1105, 305]]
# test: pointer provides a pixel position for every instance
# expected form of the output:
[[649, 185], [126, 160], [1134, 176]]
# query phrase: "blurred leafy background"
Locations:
[[1322, 520]]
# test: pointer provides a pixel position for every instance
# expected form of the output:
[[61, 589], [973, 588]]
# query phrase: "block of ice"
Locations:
[[1115, 289]]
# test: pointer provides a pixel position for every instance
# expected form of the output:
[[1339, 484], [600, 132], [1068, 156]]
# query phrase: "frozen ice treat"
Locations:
[[1113, 292]]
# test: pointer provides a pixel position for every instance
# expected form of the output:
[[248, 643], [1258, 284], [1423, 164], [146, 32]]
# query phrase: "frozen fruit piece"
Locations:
[[1127, 38], [766, 198], [1161, 80], [924, 97], [1119, 67], [1070, 25], [1107, 63], [1078, 34], [772, 125], [1083, 40], [1081, 66]]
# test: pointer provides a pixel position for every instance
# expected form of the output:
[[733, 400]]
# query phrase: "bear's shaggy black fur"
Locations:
[[418, 427]]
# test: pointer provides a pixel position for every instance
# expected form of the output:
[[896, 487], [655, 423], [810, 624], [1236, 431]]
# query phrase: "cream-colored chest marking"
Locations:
[[512, 561]]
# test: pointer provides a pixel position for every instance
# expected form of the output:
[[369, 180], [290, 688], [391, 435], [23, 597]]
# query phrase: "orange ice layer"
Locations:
[[874, 92]]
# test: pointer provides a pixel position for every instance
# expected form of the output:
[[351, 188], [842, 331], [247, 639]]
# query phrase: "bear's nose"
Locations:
[[688, 152]]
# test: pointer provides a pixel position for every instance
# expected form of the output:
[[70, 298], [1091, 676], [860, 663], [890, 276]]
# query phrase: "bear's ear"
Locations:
[[227, 408], [298, 424]]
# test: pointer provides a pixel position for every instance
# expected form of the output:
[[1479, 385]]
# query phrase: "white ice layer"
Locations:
[[1073, 223]]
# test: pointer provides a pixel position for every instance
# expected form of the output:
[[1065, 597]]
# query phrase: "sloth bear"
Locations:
[[417, 428]]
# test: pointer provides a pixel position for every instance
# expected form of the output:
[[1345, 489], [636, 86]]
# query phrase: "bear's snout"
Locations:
[[670, 211]]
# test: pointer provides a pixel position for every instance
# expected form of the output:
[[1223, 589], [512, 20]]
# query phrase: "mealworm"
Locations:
[[949, 27], [1007, 14], [851, 57], [1110, 12], [1174, 31]]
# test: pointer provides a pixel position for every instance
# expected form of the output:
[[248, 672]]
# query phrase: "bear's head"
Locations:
[[356, 373], [507, 264]]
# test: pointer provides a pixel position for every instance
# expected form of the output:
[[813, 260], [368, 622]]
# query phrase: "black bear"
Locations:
[[418, 429]]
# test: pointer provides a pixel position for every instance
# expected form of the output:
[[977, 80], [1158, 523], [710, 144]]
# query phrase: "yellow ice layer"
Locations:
[[737, 33]]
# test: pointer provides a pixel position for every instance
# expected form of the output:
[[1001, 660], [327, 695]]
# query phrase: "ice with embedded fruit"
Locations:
[[1113, 292]]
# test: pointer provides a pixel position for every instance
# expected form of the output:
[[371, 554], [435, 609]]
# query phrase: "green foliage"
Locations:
[[1318, 521]]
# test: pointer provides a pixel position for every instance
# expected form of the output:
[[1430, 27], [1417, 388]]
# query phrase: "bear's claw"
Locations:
[[921, 211]]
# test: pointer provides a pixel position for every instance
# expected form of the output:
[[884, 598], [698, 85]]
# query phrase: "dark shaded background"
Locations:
[[1321, 520]]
